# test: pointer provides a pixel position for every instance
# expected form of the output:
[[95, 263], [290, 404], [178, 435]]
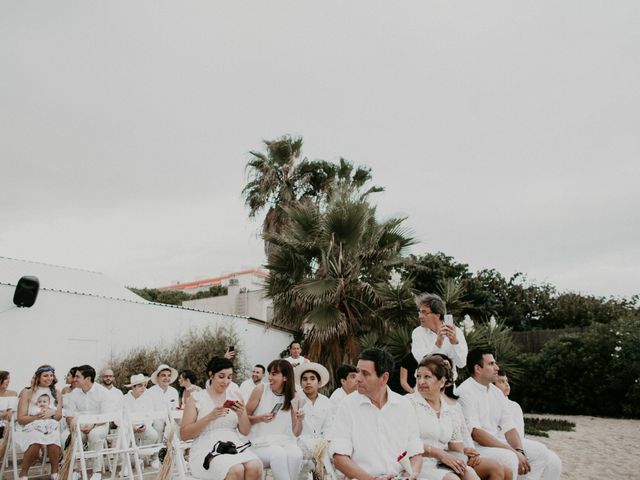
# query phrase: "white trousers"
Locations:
[[545, 464], [95, 441], [285, 461]]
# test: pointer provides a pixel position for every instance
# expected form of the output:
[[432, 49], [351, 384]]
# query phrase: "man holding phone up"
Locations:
[[435, 335]]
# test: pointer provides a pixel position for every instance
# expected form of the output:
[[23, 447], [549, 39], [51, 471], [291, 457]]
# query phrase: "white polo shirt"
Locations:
[[163, 399], [374, 437], [485, 408]]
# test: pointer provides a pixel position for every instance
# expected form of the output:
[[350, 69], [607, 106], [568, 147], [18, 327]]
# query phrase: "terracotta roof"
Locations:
[[210, 282]]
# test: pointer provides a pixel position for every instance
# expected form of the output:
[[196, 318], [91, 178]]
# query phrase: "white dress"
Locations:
[[28, 434], [436, 431], [278, 431], [223, 428]]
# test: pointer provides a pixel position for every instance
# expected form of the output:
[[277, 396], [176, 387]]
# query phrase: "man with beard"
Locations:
[[246, 387]]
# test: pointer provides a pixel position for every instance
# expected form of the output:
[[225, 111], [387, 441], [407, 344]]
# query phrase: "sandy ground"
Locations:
[[598, 448]]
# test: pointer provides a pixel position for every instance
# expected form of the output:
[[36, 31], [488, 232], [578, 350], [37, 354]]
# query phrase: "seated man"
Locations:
[[162, 394], [502, 382], [90, 398], [492, 428], [374, 426], [246, 387], [136, 402], [346, 375], [311, 377]]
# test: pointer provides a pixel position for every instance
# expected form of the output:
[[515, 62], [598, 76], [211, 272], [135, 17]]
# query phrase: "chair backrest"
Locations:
[[146, 416]]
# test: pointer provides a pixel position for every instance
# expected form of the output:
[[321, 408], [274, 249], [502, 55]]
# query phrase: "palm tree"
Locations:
[[327, 267], [278, 179]]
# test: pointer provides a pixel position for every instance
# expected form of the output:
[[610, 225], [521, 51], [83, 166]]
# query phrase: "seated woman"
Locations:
[[317, 409], [486, 468], [211, 416], [276, 422], [8, 401], [30, 438], [436, 423], [187, 380]]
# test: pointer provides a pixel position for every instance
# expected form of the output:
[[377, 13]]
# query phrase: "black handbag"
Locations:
[[223, 448]]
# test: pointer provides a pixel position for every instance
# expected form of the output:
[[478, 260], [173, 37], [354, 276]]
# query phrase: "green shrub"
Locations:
[[591, 373]]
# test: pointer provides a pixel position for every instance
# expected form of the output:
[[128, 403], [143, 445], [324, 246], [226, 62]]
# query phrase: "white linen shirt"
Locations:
[[317, 416], [485, 408], [96, 400], [163, 399], [138, 405], [373, 437], [423, 342]]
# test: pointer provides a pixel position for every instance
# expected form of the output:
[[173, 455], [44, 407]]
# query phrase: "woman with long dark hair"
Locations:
[[276, 422], [215, 415], [32, 440]]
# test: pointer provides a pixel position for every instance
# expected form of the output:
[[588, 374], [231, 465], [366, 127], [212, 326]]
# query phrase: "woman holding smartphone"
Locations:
[[214, 415], [276, 422]]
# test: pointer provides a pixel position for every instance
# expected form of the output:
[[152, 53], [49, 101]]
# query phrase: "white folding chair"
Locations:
[[117, 453], [139, 418], [14, 452], [180, 446]]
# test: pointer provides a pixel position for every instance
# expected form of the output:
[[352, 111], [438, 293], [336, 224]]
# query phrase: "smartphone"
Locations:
[[448, 319], [229, 404], [232, 348], [275, 408]]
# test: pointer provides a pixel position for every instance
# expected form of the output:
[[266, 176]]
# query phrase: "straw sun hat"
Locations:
[[174, 373], [137, 379], [322, 372]]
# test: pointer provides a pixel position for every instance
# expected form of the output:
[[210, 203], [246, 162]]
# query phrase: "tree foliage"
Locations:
[[596, 372], [520, 304], [172, 297], [279, 178], [330, 271]]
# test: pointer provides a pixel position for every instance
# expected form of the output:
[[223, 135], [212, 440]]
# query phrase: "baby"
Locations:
[[45, 426]]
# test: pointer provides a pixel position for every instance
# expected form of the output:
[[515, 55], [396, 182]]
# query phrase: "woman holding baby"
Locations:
[[39, 413]]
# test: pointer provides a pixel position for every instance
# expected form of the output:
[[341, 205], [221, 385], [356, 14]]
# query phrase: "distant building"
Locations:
[[250, 279], [238, 301]]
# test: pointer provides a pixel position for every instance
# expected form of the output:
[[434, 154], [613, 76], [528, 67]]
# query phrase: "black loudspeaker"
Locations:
[[26, 291]]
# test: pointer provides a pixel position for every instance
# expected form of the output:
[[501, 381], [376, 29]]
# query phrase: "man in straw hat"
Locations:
[[312, 377], [136, 401], [162, 394]]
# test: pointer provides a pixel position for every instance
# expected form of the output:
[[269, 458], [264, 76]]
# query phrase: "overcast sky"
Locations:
[[507, 132]]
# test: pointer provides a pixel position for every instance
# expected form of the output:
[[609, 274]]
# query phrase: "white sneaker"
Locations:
[[155, 464], [96, 476]]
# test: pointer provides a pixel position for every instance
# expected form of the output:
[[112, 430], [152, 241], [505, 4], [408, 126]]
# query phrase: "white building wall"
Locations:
[[67, 329]]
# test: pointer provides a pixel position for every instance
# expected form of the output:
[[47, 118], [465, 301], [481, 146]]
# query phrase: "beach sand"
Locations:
[[598, 448]]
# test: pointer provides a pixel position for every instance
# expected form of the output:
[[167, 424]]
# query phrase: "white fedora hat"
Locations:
[[137, 379], [313, 367], [174, 373]]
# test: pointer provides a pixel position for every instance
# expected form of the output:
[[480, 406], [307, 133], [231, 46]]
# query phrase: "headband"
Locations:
[[44, 369]]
